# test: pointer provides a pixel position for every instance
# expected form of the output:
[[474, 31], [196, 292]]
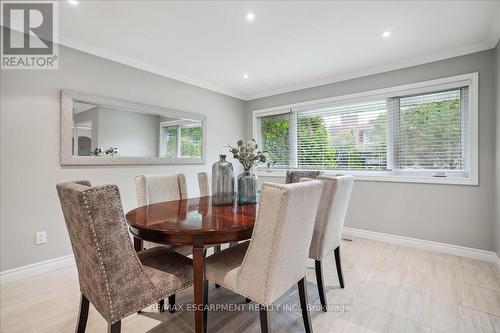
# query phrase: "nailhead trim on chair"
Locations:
[[92, 227], [269, 261], [152, 300]]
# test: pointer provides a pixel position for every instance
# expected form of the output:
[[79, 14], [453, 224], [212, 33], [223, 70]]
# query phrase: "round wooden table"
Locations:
[[194, 222]]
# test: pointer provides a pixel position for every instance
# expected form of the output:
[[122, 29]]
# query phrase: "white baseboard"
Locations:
[[461, 251], [455, 250], [22, 272]]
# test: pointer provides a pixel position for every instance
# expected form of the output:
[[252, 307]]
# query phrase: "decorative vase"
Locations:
[[222, 182], [247, 188]]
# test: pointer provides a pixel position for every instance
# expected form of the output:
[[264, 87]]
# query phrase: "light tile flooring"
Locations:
[[388, 289]]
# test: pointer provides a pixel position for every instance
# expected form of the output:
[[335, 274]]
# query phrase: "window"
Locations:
[[350, 136], [180, 139], [424, 132]]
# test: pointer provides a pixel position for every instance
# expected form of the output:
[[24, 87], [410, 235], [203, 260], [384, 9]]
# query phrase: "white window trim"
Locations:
[[471, 80], [169, 123]]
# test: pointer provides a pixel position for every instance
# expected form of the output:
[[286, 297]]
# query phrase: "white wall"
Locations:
[[29, 166], [461, 215]]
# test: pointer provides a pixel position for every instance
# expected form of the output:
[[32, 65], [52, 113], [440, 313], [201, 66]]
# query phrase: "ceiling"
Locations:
[[288, 46]]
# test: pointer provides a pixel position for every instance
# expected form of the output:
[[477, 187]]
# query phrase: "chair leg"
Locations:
[[83, 314], [265, 320], [304, 304], [205, 305], [171, 303], [115, 328], [161, 305], [339, 267], [320, 283]]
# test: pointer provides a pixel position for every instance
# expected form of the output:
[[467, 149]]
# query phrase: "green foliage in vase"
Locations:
[[247, 153]]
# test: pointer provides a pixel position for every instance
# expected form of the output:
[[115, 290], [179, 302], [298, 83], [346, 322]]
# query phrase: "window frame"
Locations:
[[471, 155], [175, 123]]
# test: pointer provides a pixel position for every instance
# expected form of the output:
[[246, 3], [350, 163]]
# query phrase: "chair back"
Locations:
[[331, 214], [203, 184], [293, 176], [152, 189], [278, 251], [109, 270]]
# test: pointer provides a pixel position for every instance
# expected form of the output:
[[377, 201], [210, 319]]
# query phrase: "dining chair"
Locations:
[[293, 176], [275, 258], [112, 276], [328, 227], [152, 189], [203, 184]]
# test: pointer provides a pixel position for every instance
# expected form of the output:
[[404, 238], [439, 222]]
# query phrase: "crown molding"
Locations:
[[489, 43], [494, 34], [145, 66]]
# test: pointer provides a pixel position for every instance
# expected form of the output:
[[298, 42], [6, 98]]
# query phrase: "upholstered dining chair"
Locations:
[[275, 258], [328, 227], [112, 276], [203, 184], [152, 189]]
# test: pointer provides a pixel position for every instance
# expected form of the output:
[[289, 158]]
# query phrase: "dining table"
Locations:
[[195, 222]]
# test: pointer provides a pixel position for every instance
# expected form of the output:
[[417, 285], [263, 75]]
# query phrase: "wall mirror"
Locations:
[[97, 130]]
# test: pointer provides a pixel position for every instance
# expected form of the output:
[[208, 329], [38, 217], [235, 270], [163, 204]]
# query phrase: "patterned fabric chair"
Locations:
[[293, 176], [275, 258], [116, 280], [328, 226]]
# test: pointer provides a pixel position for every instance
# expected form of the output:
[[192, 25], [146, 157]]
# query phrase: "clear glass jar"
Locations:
[[247, 188], [222, 182]]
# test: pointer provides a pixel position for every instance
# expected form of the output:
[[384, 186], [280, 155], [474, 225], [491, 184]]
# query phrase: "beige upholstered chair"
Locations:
[[152, 189], [328, 226], [203, 184], [275, 258], [116, 280]]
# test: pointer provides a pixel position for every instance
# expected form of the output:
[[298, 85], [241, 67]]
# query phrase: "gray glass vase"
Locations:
[[222, 182], [247, 188]]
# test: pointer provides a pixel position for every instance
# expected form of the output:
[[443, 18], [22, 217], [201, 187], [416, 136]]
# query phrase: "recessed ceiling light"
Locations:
[[386, 34], [250, 16], [245, 76], [73, 2]]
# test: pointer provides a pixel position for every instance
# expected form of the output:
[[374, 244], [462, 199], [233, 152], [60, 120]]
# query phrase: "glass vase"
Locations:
[[222, 182], [247, 188]]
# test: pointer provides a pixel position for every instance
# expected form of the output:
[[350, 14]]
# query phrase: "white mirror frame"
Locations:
[[68, 97]]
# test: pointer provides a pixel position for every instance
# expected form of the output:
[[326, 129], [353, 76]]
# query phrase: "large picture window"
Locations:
[[424, 132]]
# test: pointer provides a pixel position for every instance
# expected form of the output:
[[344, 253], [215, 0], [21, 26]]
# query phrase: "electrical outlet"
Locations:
[[41, 237]]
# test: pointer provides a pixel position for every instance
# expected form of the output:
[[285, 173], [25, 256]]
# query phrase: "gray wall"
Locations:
[[497, 197], [461, 215], [29, 163], [132, 133]]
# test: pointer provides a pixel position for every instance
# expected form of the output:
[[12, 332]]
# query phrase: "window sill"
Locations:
[[382, 177]]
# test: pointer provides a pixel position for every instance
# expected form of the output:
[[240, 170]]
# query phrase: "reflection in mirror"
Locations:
[[100, 130]]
